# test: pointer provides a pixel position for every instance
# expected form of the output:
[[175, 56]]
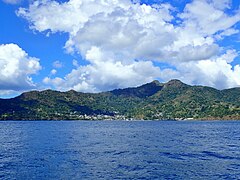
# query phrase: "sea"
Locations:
[[119, 150]]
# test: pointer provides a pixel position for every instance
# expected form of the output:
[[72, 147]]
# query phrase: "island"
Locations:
[[173, 100]]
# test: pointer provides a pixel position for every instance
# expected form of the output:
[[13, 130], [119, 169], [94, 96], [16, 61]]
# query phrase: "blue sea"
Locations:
[[120, 150]]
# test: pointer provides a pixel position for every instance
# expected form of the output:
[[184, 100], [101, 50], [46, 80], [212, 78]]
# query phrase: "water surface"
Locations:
[[119, 150]]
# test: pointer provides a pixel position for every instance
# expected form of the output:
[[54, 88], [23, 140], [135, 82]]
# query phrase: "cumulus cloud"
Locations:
[[216, 72], [105, 74], [119, 37], [209, 19], [16, 68]]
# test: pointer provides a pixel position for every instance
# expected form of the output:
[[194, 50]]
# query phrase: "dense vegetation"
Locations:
[[172, 100]]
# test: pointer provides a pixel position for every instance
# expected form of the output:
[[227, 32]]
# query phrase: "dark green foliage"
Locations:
[[141, 92], [172, 100]]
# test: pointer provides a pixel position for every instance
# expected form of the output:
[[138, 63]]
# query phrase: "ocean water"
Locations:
[[119, 150]]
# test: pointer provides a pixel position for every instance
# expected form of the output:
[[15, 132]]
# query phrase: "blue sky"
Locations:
[[47, 49], [98, 46]]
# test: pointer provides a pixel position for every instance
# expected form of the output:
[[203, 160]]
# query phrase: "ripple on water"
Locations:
[[119, 150], [220, 156]]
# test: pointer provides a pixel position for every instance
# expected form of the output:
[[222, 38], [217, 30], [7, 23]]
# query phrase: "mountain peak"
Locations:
[[156, 82], [175, 83], [71, 91], [142, 91]]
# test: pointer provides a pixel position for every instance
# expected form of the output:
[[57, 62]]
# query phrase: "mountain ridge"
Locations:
[[154, 100]]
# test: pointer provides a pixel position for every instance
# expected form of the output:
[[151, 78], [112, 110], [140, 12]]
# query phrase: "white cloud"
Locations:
[[16, 68], [116, 26], [6, 93], [215, 72], [118, 37], [57, 64], [12, 1], [195, 53], [208, 19], [222, 4], [227, 32], [53, 72], [75, 63], [104, 74]]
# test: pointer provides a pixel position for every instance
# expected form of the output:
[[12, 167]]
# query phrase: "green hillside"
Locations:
[[171, 100]]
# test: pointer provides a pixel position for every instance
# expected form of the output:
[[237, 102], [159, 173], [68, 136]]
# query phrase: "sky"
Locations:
[[100, 45]]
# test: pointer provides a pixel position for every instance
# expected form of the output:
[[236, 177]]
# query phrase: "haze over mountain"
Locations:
[[154, 100]]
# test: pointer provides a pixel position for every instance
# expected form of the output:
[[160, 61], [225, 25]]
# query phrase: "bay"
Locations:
[[119, 150]]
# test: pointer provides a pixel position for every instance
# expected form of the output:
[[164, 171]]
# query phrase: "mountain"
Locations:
[[155, 100]]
